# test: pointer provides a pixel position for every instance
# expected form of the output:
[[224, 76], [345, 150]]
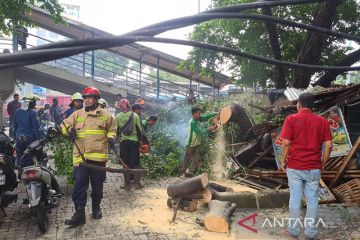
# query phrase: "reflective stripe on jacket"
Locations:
[[92, 132]]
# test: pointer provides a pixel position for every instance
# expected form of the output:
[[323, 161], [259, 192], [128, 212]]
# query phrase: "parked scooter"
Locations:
[[8, 180], [43, 190]]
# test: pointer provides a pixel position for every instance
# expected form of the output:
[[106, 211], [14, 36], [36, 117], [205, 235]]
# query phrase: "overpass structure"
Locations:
[[136, 52], [72, 74]]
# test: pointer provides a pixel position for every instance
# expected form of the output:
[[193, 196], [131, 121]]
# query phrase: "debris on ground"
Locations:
[[258, 157]]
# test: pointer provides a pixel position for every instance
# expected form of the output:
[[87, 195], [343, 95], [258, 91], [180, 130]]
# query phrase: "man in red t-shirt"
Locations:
[[304, 135]]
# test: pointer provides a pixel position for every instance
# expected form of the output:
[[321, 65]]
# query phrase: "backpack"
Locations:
[[128, 127]]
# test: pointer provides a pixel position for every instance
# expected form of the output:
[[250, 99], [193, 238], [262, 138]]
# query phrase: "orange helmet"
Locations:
[[144, 148], [140, 102], [91, 92]]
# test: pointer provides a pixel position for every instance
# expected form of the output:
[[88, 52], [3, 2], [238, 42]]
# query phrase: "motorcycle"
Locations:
[[42, 189], [8, 179]]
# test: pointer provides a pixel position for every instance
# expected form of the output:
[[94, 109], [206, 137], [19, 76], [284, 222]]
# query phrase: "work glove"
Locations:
[[111, 142], [72, 134]]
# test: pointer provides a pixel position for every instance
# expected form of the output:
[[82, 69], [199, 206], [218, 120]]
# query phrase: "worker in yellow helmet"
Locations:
[[76, 104], [103, 103]]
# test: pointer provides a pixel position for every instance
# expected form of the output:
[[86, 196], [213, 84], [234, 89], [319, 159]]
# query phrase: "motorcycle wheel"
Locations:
[[42, 217]]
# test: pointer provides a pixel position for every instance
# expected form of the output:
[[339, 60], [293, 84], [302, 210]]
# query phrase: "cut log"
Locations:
[[206, 195], [225, 114], [188, 186], [235, 113], [220, 188], [218, 218], [187, 205]]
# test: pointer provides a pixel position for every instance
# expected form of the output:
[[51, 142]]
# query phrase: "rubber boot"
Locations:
[[137, 183], [127, 185], [78, 218], [96, 212]]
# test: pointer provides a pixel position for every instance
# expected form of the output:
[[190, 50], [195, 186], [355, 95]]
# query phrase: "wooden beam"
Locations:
[[259, 157], [345, 162]]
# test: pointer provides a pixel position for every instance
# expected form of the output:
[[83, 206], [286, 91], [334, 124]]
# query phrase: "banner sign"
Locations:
[[39, 91]]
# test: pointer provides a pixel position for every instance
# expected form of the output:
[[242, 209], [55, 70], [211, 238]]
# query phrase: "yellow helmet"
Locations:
[[31, 97], [76, 96], [103, 102]]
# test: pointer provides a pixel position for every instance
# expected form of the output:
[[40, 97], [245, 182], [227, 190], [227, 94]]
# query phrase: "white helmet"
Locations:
[[103, 103], [31, 97]]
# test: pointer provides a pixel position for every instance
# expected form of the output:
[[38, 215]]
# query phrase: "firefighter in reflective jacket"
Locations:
[[92, 128]]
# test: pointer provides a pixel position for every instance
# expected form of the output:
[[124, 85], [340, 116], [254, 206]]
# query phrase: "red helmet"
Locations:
[[91, 92]]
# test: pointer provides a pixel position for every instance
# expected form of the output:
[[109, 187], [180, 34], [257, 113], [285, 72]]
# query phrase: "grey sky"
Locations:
[[121, 16]]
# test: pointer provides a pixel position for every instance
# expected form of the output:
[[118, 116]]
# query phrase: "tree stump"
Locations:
[[218, 219], [188, 186]]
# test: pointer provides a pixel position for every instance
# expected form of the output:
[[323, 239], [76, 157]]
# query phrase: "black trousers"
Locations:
[[82, 176], [129, 153]]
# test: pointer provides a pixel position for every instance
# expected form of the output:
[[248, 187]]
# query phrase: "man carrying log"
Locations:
[[304, 134], [192, 157]]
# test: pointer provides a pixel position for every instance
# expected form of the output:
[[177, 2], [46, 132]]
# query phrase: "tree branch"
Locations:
[[330, 76], [315, 43]]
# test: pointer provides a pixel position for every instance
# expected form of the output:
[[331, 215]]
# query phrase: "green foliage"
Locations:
[[353, 77], [251, 36], [14, 14], [259, 118], [167, 137], [164, 158], [62, 150]]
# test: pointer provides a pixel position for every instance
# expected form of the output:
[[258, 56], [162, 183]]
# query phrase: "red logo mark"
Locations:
[[253, 217]]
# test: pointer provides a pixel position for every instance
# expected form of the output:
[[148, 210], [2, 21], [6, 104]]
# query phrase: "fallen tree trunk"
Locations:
[[218, 218], [241, 199], [188, 186], [219, 188], [235, 113], [187, 205]]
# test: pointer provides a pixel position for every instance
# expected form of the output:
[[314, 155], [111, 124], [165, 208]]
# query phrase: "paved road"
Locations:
[[142, 214]]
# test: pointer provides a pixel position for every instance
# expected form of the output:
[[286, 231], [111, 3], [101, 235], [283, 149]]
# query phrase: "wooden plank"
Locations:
[[333, 161], [251, 184], [349, 173], [329, 163], [325, 194], [337, 165], [345, 163], [259, 157]]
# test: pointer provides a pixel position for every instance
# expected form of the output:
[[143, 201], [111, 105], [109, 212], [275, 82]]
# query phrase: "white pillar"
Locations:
[[6, 88]]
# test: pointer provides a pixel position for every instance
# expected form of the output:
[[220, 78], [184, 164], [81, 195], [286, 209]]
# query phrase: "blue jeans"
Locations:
[[307, 182]]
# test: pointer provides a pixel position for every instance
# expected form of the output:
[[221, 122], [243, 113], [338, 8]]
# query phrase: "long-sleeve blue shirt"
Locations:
[[26, 124], [68, 112]]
